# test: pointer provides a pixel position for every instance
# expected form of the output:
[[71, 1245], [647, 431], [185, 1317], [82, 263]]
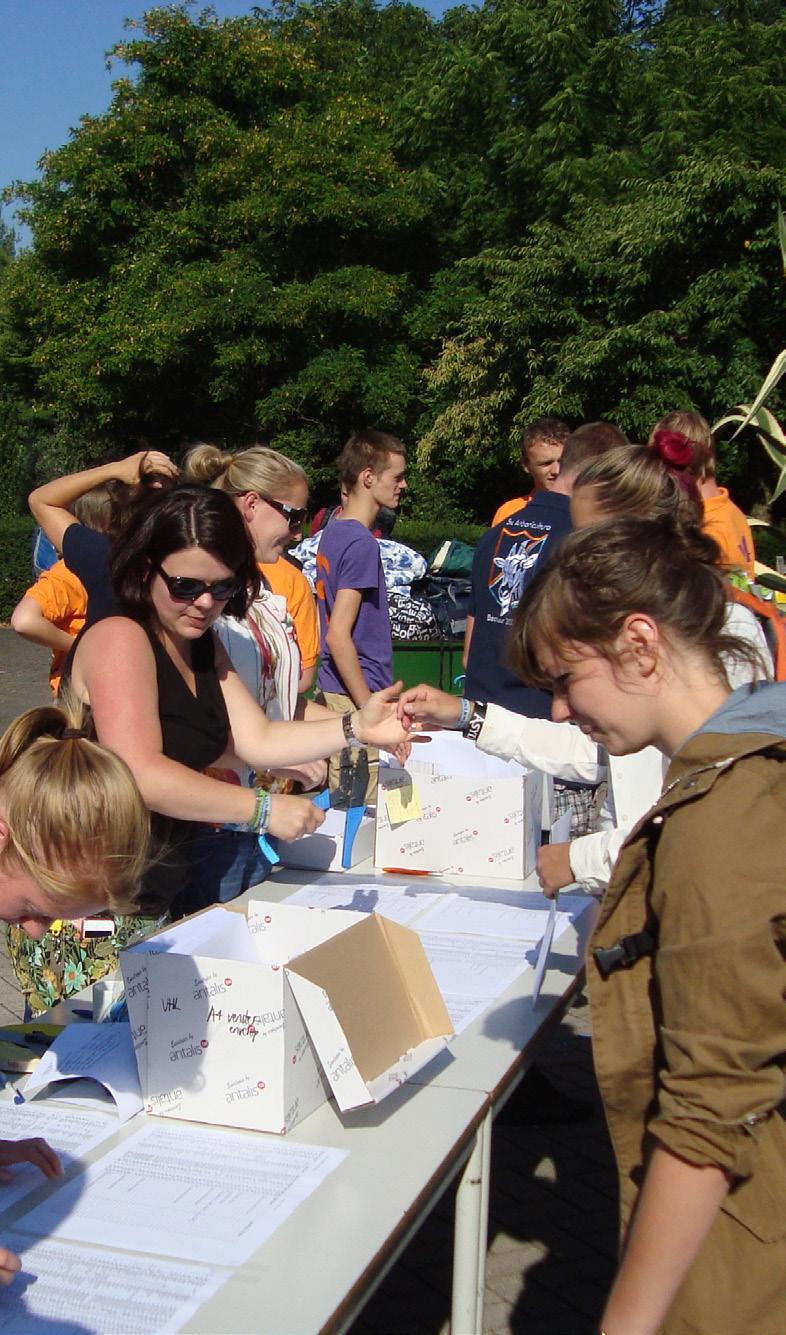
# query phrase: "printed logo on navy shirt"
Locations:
[[508, 572]]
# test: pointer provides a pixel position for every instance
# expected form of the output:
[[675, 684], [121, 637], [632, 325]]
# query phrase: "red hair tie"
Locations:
[[674, 448]]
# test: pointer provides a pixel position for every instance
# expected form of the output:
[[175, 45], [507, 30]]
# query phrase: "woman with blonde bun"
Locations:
[[74, 835], [271, 493]]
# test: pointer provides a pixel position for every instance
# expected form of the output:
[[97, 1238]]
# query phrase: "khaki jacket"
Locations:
[[690, 1041]]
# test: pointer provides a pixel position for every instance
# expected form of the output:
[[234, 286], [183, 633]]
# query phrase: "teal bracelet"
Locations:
[[260, 821]]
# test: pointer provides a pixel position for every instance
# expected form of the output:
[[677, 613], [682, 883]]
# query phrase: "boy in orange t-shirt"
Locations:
[[541, 450], [52, 613]]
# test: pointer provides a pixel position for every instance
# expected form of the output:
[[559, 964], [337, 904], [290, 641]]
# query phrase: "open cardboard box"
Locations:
[[306, 1002], [474, 814]]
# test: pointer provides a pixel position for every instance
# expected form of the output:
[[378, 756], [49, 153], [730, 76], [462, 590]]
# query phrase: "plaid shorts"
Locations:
[[583, 801]]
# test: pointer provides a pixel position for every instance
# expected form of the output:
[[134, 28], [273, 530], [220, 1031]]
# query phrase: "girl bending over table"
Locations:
[[74, 835]]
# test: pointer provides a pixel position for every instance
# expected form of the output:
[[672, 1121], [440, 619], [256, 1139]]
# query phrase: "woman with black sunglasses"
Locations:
[[166, 698]]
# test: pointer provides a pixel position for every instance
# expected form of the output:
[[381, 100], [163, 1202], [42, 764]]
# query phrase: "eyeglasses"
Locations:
[[294, 515], [186, 590]]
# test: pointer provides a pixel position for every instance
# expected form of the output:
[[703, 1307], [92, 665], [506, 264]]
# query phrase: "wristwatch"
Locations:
[[476, 720], [350, 736]]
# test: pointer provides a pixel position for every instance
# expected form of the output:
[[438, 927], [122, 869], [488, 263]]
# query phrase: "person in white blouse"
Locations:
[[633, 481]]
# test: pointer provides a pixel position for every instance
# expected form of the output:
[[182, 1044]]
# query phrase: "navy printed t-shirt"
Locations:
[[505, 560]]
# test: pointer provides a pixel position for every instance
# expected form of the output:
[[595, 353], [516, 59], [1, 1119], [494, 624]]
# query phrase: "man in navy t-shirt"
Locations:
[[505, 560]]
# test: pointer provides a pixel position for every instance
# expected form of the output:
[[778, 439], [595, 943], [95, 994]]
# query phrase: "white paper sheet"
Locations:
[[219, 933], [460, 915], [476, 967], [102, 1052], [400, 903], [72, 1133], [463, 1011], [210, 1196], [86, 1291], [543, 952]]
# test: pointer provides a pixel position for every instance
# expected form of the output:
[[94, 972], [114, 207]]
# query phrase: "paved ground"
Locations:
[[552, 1232]]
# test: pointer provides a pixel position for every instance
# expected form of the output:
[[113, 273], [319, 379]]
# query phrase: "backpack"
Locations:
[[453, 557], [771, 621]]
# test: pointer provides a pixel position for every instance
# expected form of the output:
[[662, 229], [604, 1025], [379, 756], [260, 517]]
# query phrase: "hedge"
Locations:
[[426, 537], [16, 569]]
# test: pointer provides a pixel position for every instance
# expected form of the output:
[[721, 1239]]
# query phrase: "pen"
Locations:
[[405, 871]]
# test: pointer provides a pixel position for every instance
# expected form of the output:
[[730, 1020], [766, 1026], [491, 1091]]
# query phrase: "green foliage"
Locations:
[[16, 545], [426, 537], [227, 252], [645, 275], [328, 215]]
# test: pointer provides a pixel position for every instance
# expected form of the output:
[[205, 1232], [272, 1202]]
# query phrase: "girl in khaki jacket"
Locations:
[[686, 970]]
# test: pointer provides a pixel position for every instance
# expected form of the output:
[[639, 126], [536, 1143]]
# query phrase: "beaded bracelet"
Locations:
[[260, 821]]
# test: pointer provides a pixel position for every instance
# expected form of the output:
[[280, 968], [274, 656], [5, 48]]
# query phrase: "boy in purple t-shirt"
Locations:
[[354, 623]]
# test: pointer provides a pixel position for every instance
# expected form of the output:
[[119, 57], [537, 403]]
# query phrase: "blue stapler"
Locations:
[[349, 796]]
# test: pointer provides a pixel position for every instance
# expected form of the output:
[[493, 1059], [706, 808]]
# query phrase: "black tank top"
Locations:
[[195, 731], [194, 728]]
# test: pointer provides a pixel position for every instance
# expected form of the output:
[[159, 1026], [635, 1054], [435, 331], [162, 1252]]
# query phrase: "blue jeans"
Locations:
[[221, 865]]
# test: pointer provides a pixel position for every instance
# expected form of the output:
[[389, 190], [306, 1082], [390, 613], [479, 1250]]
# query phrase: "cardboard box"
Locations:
[[323, 850], [472, 813], [307, 1003]]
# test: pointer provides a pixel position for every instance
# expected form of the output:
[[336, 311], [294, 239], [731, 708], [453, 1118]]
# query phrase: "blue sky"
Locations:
[[53, 70]]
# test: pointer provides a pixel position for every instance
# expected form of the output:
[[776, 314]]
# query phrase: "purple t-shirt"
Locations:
[[348, 558]]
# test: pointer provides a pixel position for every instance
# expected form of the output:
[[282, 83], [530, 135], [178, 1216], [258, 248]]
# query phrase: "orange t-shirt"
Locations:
[[286, 580], [63, 601], [509, 508], [725, 522]]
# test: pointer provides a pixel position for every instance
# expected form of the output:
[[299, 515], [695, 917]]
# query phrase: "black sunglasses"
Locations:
[[294, 515], [186, 590]]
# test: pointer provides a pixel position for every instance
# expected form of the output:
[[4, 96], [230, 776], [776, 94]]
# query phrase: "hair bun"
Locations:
[[674, 448], [205, 463]]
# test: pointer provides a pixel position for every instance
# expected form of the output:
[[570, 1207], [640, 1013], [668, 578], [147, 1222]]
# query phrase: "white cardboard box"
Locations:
[[479, 815], [323, 850], [310, 1002]]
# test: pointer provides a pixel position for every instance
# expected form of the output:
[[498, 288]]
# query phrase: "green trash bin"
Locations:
[[436, 662]]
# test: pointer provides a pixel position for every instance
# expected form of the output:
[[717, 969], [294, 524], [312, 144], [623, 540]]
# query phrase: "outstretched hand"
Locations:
[[379, 723], [426, 705]]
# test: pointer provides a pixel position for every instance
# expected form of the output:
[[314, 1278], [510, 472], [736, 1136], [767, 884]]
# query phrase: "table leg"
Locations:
[[470, 1237]]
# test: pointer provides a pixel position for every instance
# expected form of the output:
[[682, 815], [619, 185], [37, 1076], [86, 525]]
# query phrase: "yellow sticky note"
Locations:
[[403, 804]]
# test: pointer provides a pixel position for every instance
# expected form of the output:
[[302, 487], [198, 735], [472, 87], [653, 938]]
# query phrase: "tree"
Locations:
[[231, 250], [329, 215], [645, 274]]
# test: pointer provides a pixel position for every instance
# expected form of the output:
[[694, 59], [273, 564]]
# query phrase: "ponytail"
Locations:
[[75, 816]]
